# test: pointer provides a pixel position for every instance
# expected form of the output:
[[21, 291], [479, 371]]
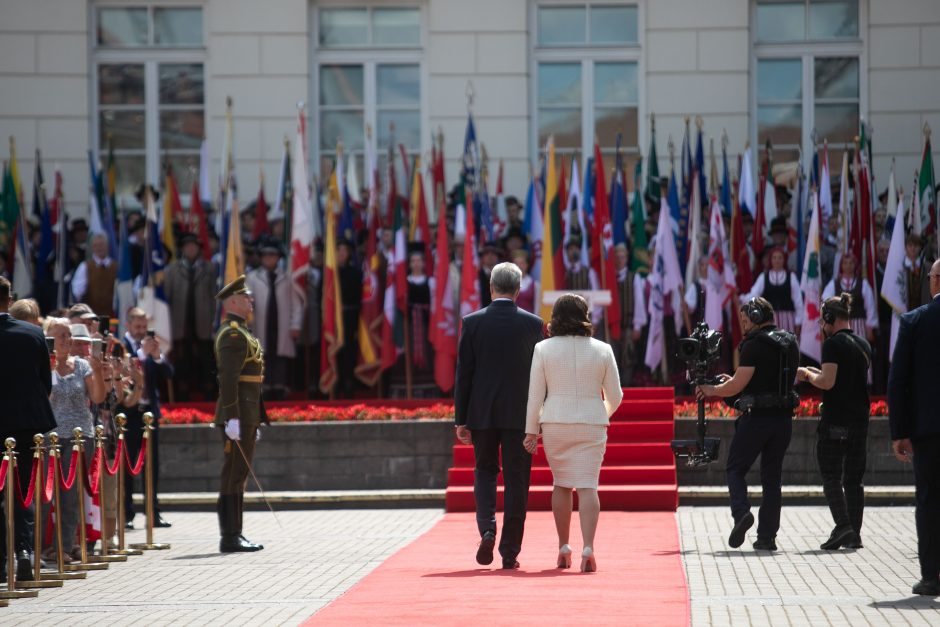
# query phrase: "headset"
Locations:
[[828, 316], [755, 313]]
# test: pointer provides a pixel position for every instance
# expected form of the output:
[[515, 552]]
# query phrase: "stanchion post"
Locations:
[[56, 459], [121, 421], [11, 592], [38, 581], [149, 496], [78, 445], [103, 499]]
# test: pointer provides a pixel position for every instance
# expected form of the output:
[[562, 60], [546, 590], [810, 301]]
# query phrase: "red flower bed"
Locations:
[[808, 408], [315, 413]]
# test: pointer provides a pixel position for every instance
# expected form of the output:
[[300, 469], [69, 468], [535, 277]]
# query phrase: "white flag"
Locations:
[[894, 285], [810, 334], [665, 278], [720, 284]]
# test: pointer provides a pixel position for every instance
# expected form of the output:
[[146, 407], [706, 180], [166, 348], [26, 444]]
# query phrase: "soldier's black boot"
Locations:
[[232, 540], [240, 501]]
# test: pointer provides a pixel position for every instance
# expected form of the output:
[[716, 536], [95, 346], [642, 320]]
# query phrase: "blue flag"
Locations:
[[725, 199], [103, 202], [618, 201], [587, 195], [675, 215], [700, 169], [46, 253]]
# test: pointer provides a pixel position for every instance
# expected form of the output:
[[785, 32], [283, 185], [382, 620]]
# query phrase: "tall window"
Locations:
[[586, 77], [367, 74], [149, 87], [808, 87]]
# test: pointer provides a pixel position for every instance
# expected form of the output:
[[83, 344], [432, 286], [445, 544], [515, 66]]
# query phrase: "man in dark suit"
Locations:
[[915, 424], [25, 384], [491, 391]]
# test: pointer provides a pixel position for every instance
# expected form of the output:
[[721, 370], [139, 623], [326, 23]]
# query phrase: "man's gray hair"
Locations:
[[506, 278]]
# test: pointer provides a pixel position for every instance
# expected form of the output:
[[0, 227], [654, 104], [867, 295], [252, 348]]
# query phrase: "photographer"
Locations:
[[764, 381], [842, 438]]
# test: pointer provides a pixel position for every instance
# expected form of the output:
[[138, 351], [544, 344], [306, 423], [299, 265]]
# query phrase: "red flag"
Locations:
[[197, 212], [420, 230], [470, 269], [443, 329], [562, 208], [261, 214], [369, 366], [602, 258], [395, 299]]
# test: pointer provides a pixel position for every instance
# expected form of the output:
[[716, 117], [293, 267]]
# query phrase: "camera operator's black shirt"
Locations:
[[846, 403], [764, 356]]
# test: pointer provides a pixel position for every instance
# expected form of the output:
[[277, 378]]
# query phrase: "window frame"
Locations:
[[588, 55], [369, 57], [807, 52], [151, 57]]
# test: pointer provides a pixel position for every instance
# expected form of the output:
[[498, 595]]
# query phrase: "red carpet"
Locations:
[[436, 581], [638, 473]]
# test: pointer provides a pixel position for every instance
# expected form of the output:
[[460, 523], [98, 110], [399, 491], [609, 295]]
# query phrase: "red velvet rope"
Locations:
[[3, 472], [92, 476], [68, 483], [31, 491], [49, 486], [136, 468], [112, 470]]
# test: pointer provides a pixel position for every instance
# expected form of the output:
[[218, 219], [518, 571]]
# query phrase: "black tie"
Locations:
[[270, 330]]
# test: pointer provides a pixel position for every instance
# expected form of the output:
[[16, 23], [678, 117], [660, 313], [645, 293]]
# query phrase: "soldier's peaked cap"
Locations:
[[235, 287]]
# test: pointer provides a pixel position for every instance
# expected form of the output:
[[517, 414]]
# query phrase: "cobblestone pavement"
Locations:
[[801, 584], [315, 558]]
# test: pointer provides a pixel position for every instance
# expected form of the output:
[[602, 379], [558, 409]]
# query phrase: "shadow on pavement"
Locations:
[[910, 603]]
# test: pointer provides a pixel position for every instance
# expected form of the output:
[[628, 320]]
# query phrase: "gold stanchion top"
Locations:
[[9, 443], [148, 420], [38, 440], [99, 432], [54, 441], [77, 438], [121, 420]]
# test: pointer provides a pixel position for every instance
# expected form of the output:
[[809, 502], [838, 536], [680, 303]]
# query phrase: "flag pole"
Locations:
[[603, 265]]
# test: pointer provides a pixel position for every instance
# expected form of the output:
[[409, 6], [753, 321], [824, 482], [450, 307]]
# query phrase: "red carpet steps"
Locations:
[[638, 473]]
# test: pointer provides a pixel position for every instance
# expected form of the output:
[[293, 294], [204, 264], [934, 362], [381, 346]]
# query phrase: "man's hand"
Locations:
[[704, 391], [151, 347], [233, 429], [531, 443], [802, 374], [463, 434], [903, 450]]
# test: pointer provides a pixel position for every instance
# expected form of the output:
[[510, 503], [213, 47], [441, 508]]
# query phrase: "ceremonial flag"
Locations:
[[845, 220], [618, 202], [502, 213], [551, 246], [927, 192], [420, 230], [124, 289], [261, 211], [195, 208], [747, 195], [302, 222], [678, 213], [640, 255], [371, 314], [234, 255], [332, 308], [740, 257], [681, 215], [797, 216], [396, 291], [810, 284], [759, 233], [151, 297], [602, 258], [700, 167], [575, 213], [171, 211], [894, 287], [725, 198], [437, 178], [284, 201], [532, 226], [653, 183], [47, 252], [720, 285], [891, 204], [587, 202], [470, 268], [57, 208], [347, 221], [443, 328], [665, 277], [866, 210], [205, 190], [693, 245], [825, 186], [22, 268]]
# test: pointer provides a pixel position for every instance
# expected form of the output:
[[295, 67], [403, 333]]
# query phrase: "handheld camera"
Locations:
[[699, 351]]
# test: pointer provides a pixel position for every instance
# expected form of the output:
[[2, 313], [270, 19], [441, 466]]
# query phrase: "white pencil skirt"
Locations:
[[575, 452]]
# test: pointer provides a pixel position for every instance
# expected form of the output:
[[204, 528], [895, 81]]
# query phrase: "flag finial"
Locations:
[[927, 129], [699, 122], [671, 147], [724, 139], [228, 102], [470, 93]]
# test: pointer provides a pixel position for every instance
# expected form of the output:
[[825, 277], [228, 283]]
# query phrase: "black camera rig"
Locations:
[[699, 351]]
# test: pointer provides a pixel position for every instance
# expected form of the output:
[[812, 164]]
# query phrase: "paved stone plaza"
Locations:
[[319, 554]]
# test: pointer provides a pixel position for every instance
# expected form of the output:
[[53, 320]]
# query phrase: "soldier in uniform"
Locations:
[[240, 411]]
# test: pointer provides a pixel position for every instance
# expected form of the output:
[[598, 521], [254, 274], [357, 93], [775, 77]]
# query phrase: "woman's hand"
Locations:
[[531, 443]]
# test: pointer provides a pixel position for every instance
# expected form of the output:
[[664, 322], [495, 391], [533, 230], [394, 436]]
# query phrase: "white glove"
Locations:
[[257, 434], [233, 429]]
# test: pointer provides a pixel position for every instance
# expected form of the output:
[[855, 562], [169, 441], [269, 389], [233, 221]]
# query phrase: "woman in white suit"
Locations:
[[569, 370]]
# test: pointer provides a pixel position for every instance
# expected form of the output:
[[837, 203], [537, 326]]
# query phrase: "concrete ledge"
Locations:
[[795, 494]]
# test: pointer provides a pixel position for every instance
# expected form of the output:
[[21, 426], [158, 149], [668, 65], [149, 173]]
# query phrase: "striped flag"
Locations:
[[332, 336], [551, 244], [810, 284]]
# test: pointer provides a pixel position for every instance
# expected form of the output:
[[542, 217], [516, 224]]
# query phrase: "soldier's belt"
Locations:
[[251, 378]]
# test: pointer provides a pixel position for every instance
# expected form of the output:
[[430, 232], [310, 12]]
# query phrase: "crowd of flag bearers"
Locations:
[[359, 288]]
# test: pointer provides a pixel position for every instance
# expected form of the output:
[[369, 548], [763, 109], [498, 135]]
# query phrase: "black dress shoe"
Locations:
[[485, 550], [741, 526], [237, 544], [511, 564], [927, 587], [765, 544], [24, 566], [158, 521], [839, 537], [854, 543]]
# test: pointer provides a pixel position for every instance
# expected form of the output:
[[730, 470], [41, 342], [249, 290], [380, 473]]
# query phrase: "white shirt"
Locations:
[[777, 278], [868, 298]]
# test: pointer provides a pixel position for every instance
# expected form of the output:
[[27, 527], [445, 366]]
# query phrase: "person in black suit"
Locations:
[[140, 344], [915, 424], [25, 385], [491, 391]]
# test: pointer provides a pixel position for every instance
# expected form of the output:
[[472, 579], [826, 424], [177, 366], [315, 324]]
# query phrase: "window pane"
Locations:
[[837, 122], [833, 19], [345, 126], [398, 85], [131, 172], [615, 83], [341, 85], [836, 77], [779, 79], [559, 84], [782, 125], [181, 83], [120, 84], [396, 27], [344, 27], [407, 128], [181, 129], [564, 124], [177, 27], [122, 27], [613, 25], [126, 128], [562, 25], [608, 121], [781, 21]]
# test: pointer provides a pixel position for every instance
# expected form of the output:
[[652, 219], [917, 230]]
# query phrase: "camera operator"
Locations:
[[763, 383], [842, 437]]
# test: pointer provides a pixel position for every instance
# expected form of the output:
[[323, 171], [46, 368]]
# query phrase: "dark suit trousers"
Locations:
[[134, 440], [927, 512], [768, 437], [23, 518], [517, 466]]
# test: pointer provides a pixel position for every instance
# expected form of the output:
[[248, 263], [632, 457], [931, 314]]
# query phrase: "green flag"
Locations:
[[9, 209], [652, 175], [640, 258], [926, 191]]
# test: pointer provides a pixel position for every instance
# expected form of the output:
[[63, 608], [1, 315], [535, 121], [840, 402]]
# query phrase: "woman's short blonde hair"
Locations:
[[52, 324]]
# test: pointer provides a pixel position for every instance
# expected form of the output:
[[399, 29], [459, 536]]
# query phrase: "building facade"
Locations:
[[154, 77]]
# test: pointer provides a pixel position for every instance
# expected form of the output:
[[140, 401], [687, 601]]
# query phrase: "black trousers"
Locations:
[[842, 466], [23, 517], [927, 512], [133, 441], [517, 465], [769, 437]]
